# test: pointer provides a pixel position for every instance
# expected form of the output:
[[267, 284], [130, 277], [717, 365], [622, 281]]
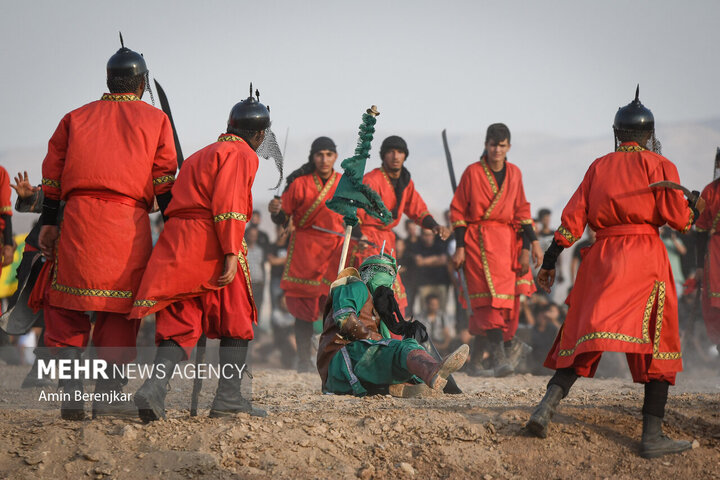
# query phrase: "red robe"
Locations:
[[411, 204], [624, 296], [6, 206], [212, 201], [107, 160], [313, 256], [490, 239], [709, 221]]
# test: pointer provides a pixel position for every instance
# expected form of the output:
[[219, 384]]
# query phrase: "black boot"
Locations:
[[303, 342], [41, 352], [538, 423], [655, 443], [72, 407], [557, 389], [150, 398], [515, 351], [475, 367], [500, 364], [112, 387], [228, 397]]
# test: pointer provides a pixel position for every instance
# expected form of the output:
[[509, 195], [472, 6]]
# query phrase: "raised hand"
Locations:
[[23, 187]]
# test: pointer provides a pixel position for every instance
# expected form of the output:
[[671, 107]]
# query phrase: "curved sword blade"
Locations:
[[675, 186], [166, 108]]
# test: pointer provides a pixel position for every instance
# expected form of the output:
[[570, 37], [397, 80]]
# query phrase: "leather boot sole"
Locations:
[[451, 364], [669, 447]]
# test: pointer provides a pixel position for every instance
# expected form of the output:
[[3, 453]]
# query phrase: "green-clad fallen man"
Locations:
[[356, 353]]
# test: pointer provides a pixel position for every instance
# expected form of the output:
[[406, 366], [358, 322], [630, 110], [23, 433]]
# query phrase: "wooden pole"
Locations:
[[346, 247]]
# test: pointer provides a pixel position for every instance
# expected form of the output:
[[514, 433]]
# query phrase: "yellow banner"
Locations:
[[8, 279]]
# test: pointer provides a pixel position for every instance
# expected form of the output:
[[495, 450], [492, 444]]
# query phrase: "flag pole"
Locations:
[[346, 247]]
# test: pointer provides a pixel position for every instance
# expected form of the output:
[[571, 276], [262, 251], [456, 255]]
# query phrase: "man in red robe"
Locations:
[[313, 255], [624, 296], [8, 248], [393, 183], [489, 200], [197, 280], [106, 160], [708, 230]]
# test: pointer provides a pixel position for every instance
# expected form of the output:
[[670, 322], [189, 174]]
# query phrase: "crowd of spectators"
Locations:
[[430, 283], [429, 280]]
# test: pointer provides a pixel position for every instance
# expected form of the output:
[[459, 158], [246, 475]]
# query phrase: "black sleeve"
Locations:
[[701, 248], [429, 222], [163, 201], [551, 256], [528, 234], [279, 218], [526, 242], [7, 231], [460, 236], [31, 204], [50, 209], [696, 214]]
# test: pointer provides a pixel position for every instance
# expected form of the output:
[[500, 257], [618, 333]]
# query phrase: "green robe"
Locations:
[[365, 364]]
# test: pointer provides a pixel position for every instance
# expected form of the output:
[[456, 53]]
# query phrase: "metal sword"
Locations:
[[333, 232]]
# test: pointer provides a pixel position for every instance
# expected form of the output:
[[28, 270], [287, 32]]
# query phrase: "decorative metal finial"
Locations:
[[637, 93], [250, 89], [122, 43], [257, 94], [373, 111]]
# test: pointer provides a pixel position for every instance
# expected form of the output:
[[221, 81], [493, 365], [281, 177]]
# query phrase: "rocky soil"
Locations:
[[479, 434]]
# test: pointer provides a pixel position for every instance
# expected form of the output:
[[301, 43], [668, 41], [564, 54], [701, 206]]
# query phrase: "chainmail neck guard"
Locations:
[[269, 148]]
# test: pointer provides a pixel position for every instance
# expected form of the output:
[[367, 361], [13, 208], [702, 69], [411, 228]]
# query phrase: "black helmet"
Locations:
[[249, 114], [634, 116], [126, 63]]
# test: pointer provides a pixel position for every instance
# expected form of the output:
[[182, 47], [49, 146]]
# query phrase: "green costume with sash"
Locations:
[[356, 351]]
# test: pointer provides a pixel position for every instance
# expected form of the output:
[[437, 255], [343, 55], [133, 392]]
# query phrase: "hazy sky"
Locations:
[[560, 67]]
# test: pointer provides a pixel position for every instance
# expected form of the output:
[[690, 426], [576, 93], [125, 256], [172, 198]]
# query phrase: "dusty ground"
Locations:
[[478, 434]]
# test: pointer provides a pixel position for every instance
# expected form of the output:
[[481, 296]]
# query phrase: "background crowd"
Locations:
[[430, 282]]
